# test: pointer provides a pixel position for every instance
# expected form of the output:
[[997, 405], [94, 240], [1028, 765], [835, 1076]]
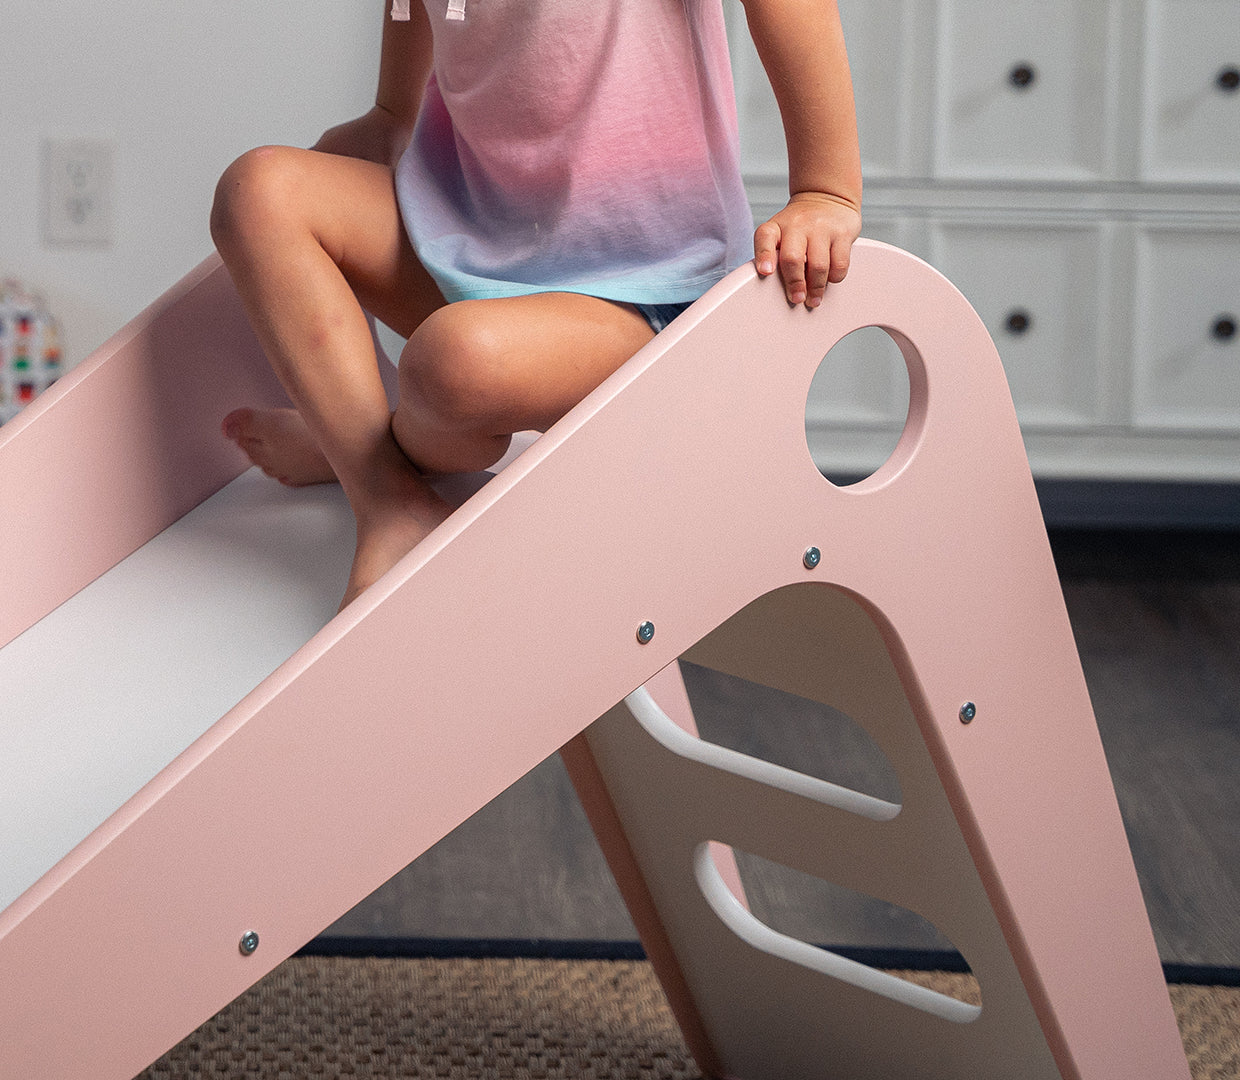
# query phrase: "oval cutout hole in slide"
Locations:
[[857, 406]]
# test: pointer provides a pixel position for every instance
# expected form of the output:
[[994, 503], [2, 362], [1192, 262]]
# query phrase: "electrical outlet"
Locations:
[[77, 191]]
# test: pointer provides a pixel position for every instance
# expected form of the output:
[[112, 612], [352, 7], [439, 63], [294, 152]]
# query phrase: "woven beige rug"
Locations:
[[500, 1019]]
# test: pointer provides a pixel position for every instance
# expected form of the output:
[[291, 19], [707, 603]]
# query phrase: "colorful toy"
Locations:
[[29, 348]]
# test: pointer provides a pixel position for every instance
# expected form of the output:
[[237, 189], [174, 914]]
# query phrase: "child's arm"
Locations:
[[404, 63], [801, 44]]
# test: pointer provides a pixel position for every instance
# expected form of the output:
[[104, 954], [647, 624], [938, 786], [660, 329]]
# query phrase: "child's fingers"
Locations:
[[841, 253], [810, 243], [792, 268], [766, 248], [816, 276], [776, 248]]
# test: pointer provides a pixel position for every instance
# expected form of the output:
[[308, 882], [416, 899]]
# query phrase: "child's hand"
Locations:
[[809, 241], [374, 136]]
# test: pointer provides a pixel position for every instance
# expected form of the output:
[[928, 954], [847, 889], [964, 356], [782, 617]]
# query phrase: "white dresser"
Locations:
[[1074, 167]]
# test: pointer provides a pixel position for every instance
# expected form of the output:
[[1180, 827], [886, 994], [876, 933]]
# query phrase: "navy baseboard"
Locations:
[[1122, 504], [557, 949], [1129, 504]]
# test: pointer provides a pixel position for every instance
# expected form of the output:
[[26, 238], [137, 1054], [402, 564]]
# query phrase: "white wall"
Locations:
[[180, 88]]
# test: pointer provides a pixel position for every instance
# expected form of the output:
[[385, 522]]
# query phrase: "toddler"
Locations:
[[541, 186]]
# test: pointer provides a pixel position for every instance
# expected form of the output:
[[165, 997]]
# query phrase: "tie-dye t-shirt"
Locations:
[[579, 145]]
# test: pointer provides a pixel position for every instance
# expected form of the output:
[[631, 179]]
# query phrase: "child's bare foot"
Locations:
[[397, 512], [279, 443], [382, 544]]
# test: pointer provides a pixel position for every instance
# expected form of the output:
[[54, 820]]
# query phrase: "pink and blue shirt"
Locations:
[[578, 145]]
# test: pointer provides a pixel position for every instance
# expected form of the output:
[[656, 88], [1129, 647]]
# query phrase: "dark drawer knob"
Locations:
[[1229, 80], [1224, 328], [1018, 322], [1022, 76]]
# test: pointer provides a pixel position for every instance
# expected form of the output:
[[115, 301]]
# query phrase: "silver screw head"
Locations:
[[645, 633], [249, 942], [967, 712], [811, 558]]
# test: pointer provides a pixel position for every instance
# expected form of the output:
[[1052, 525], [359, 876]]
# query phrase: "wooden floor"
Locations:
[[1157, 621]]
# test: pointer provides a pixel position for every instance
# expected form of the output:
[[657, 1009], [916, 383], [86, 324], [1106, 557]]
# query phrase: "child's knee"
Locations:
[[453, 372], [251, 194]]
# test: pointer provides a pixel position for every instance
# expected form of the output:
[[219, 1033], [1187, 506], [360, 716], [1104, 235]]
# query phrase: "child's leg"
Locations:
[[528, 355], [476, 371], [304, 236]]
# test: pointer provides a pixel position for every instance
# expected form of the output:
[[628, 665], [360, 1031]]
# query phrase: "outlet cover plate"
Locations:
[[77, 191]]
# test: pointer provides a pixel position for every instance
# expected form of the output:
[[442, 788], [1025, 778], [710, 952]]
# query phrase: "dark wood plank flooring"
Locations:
[[1157, 622]]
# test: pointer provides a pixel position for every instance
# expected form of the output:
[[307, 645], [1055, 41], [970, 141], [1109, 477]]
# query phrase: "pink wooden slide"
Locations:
[[201, 768]]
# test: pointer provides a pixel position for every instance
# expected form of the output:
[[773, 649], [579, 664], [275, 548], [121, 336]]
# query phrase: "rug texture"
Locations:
[[384, 1019]]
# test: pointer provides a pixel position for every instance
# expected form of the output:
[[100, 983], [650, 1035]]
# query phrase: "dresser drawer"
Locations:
[[887, 57], [1025, 91], [885, 60], [1191, 114], [1038, 288], [1187, 346]]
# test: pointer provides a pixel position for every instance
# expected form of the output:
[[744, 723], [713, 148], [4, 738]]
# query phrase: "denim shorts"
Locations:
[[659, 315]]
